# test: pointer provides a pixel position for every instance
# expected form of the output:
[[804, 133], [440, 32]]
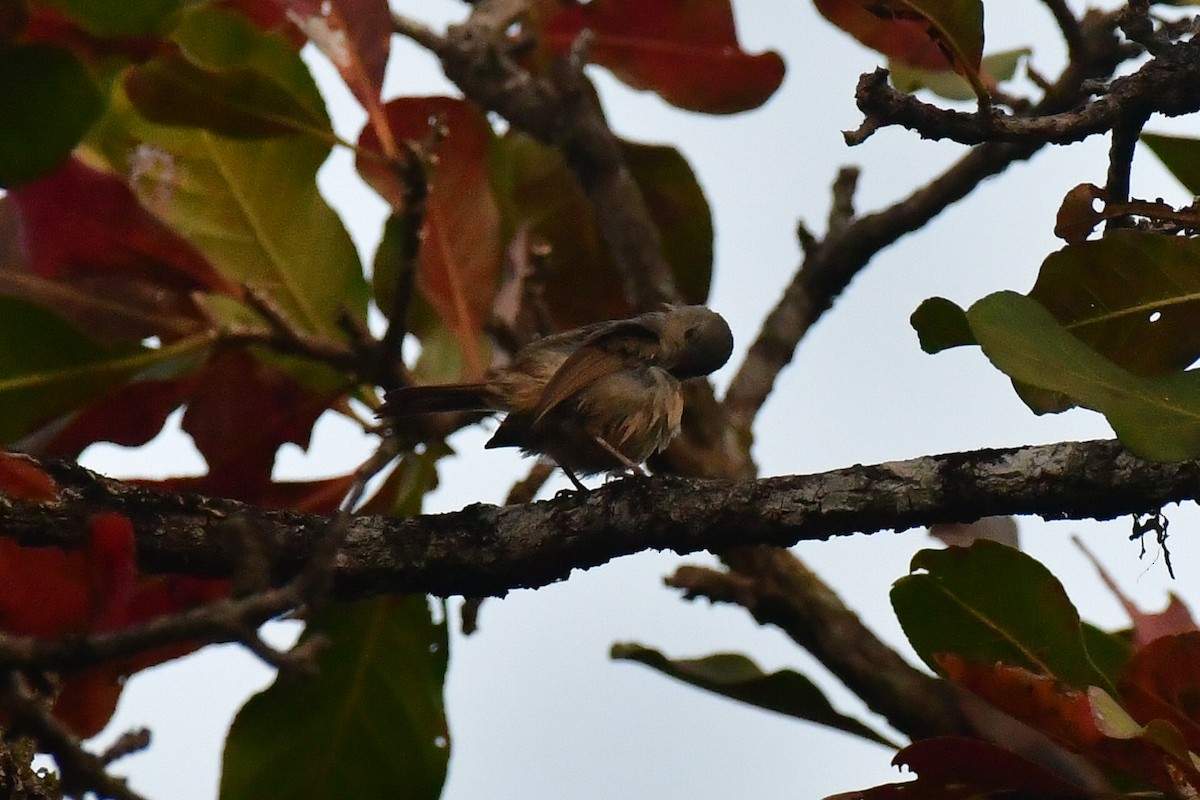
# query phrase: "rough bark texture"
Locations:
[[488, 550]]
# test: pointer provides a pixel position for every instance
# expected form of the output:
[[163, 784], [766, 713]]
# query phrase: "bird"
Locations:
[[600, 398]]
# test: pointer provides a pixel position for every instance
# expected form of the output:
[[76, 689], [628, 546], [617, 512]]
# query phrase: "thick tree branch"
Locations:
[[485, 550]]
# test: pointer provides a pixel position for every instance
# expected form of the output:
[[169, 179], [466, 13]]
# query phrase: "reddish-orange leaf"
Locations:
[[1063, 713], [43, 591], [459, 264], [23, 480], [88, 699], [686, 51], [902, 38], [1162, 681], [47, 593], [242, 411], [89, 696], [1147, 626], [355, 35], [111, 556], [1066, 715]]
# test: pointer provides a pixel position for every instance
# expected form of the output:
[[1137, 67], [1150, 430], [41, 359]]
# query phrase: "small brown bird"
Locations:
[[600, 398]]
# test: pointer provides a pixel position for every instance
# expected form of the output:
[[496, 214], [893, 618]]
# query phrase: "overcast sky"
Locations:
[[536, 708]]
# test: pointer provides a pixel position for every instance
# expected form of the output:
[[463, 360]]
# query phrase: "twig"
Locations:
[[841, 210], [1120, 159], [1069, 25], [128, 743], [81, 772], [1136, 23], [285, 336], [419, 33], [1168, 84], [830, 264], [409, 217]]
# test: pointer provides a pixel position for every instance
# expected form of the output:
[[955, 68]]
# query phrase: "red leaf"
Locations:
[[1068, 717], [950, 767], [51, 26], [355, 35], [111, 556], [82, 221], [49, 593], [685, 50], [43, 591], [313, 497], [1162, 681], [267, 15], [129, 416], [1175, 618], [89, 697], [459, 264], [240, 414], [24, 480], [88, 249], [904, 39], [1047, 705]]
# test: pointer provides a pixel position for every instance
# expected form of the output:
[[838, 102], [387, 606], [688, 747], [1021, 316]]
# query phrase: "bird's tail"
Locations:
[[411, 401]]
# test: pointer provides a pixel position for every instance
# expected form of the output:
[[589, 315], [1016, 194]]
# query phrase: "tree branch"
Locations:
[[1168, 84], [832, 262], [486, 550], [559, 110], [790, 596], [81, 772]]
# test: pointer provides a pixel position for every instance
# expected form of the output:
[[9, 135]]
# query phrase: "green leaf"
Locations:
[[371, 724], [959, 22], [997, 67], [1180, 155], [991, 603], [1157, 418], [958, 27], [126, 18], [48, 368], [1132, 296], [252, 208], [239, 102], [49, 102], [940, 324], [392, 260], [582, 284], [1110, 652], [680, 211], [735, 676]]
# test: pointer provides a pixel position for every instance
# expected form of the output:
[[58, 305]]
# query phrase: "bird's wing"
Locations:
[[614, 348]]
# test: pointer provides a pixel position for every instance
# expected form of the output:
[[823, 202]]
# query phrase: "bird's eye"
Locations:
[[690, 332]]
